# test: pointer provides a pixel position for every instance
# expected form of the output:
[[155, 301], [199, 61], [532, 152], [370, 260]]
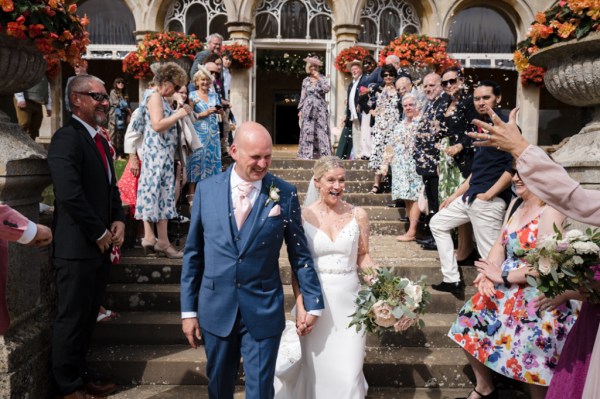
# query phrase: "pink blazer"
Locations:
[[550, 182], [12, 226]]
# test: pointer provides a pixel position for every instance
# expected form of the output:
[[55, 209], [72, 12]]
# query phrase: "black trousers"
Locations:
[[81, 286], [431, 185]]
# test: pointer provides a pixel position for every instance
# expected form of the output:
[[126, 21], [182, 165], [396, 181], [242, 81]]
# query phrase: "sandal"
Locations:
[[107, 316], [170, 252], [148, 246], [376, 189], [491, 395], [405, 238]]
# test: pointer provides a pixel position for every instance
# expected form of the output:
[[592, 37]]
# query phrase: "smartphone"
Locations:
[[218, 106]]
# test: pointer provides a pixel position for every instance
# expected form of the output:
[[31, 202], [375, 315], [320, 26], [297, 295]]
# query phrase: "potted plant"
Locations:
[[420, 54], [162, 47], [349, 54], [241, 56], [49, 26]]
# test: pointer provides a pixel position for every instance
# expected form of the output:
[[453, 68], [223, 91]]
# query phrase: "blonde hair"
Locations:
[[202, 73], [325, 164]]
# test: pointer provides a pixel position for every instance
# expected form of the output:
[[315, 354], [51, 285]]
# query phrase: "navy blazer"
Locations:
[[225, 271], [85, 202]]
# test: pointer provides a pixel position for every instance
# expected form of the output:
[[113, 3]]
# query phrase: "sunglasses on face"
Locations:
[[449, 82], [100, 97], [387, 75]]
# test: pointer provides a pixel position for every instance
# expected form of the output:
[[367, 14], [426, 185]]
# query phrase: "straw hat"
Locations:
[[350, 64], [314, 61]]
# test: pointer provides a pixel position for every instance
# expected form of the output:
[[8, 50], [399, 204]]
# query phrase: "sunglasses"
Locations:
[[96, 96], [449, 82], [387, 75]]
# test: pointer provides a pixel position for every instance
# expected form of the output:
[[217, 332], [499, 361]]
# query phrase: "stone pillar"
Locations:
[[25, 347], [346, 36], [528, 101], [240, 78]]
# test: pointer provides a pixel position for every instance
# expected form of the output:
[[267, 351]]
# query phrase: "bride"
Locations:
[[338, 237]]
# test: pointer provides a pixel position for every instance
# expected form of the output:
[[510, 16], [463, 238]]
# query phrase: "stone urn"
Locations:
[[573, 77], [25, 347]]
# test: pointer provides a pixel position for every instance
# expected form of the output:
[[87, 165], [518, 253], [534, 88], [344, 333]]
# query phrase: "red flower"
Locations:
[[349, 54]]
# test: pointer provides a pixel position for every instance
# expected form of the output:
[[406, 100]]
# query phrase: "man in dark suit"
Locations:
[[353, 111], [88, 220], [230, 280]]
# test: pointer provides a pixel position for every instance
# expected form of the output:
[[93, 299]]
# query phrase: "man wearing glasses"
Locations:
[[88, 221]]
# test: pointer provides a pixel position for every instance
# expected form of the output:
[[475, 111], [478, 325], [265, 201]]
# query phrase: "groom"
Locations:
[[230, 282]]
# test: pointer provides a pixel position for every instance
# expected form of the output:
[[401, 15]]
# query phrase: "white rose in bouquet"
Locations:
[[383, 314], [544, 266], [583, 248], [574, 235], [415, 292]]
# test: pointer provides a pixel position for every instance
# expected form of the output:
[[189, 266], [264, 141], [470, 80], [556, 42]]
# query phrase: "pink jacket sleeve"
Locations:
[[550, 182], [12, 223]]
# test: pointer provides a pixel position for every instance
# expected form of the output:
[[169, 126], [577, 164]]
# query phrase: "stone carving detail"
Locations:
[[178, 11], [375, 11], [314, 8]]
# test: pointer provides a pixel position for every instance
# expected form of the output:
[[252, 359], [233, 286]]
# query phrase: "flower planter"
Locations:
[[573, 77], [21, 65]]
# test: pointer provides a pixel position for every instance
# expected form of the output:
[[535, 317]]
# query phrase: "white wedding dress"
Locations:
[[333, 353]]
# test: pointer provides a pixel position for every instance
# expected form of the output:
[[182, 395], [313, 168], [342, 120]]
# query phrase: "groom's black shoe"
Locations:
[[453, 288], [427, 243]]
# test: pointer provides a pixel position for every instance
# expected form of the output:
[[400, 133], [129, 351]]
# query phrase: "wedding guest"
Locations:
[[406, 183], [214, 44], [205, 161], [338, 239], [566, 195], [17, 228], [509, 326], [156, 196], [315, 141], [387, 117], [352, 124], [29, 106], [88, 222], [118, 115]]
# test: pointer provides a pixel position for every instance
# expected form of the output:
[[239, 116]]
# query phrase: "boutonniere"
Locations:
[[273, 195]]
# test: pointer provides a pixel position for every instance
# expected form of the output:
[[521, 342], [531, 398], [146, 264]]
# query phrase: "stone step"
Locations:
[[165, 297], [307, 164], [201, 392], [164, 328], [182, 365], [354, 175]]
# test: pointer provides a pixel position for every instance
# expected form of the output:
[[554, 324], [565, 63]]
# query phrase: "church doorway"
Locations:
[[278, 84]]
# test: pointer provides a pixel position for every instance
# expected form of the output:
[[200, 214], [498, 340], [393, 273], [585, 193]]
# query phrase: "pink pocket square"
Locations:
[[275, 211]]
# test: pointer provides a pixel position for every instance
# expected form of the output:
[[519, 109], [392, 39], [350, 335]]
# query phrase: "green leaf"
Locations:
[[584, 27], [532, 281]]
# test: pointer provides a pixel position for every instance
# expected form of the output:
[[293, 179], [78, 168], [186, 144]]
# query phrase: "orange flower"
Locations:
[[53, 3], [540, 17], [7, 5], [566, 30], [72, 8], [16, 29], [36, 30]]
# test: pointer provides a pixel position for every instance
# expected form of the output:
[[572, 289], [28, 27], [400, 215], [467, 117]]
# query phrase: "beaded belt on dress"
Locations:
[[331, 270]]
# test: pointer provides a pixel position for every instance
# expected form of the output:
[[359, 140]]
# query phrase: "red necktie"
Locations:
[[100, 146]]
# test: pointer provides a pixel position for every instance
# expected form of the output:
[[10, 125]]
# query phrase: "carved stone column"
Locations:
[[346, 36], [240, 78], [25, 347]]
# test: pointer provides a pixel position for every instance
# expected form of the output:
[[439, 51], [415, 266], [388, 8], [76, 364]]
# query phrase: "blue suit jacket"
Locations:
[[226, 271]]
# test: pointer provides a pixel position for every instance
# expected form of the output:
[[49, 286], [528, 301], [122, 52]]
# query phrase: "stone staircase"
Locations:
[[145, 351]]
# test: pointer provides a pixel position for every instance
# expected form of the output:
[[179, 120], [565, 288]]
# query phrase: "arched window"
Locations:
[[293, 19], [384, 20], [200, 17], [481, 30], [112, 21]]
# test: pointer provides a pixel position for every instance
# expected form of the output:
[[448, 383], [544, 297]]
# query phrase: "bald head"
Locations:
[[251, 150], [432, 86]]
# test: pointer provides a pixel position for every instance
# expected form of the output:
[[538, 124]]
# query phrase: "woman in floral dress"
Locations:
[[314, 141], [156, 190], [508, 326], [387, 117], [406, 183], [205, 161]]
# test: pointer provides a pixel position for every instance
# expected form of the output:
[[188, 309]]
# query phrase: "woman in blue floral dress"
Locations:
[[314, 141], [156, 188], [508, 326], [205, 161], [406, 183]]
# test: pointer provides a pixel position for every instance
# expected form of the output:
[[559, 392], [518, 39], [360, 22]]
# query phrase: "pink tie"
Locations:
[[242, 205]]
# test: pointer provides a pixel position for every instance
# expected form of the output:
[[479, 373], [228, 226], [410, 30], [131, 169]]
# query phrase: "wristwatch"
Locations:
[[505, 278]]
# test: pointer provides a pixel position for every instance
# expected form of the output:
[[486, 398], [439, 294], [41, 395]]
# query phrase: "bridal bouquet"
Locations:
[[391, 302], [566, 261]]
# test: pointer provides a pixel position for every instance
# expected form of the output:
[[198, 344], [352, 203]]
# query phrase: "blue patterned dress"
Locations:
[[506, 332], [205, 161], [156, 187]]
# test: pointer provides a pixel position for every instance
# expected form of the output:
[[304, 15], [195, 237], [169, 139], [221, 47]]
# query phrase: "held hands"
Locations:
[[43, 236], [191, 330], [304, 321], [484, 285], [489, 270]]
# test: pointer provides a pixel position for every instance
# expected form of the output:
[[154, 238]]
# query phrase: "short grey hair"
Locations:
[[392, 59], [213, 36], [81, 83]]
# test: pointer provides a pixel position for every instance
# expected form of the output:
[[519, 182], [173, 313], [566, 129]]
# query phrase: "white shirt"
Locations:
[[351, 105]]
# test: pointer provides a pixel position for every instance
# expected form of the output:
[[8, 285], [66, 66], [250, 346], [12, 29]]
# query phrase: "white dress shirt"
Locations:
[[351, 105]]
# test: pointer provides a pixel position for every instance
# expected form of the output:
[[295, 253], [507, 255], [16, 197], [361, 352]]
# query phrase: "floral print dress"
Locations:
[[386, 119], [314, 141], [406, 183], [506, 332], [205, 161], [156, 186]]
